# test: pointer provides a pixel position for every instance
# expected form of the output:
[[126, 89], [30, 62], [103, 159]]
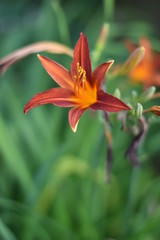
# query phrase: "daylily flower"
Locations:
[[79, 88], [147, 71]]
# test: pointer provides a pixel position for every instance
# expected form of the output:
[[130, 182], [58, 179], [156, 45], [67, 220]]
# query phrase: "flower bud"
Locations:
[[132, 61], [148, 93], [139, 110], [155, 110], [117, 93]]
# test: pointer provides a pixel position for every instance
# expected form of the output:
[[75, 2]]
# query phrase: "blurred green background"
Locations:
[[52, 181]]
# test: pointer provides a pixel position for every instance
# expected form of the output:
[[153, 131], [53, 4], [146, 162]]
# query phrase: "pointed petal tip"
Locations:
[[109, 103], [26, 109], [43, 58], [40, 57], [82, 34], [74, 116], [74, 129], [111, 63], [128, 108]]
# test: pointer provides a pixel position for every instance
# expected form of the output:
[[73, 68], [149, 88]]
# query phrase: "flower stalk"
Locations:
[[132, 152], [109, 154]]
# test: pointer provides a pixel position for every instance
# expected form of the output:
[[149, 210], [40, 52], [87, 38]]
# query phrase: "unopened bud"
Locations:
[[155, 110], [132, 61], [148, 93], [117, 93], [139, 110]]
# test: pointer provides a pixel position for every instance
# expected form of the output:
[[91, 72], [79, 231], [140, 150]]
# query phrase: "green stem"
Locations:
[[146, 110]]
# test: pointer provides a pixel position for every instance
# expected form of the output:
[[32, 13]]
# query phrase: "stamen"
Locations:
[[78, 69], [83, 79], [75, 82], [80, 79]]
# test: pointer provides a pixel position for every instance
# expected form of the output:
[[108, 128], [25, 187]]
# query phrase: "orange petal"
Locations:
[[99, 73], [109, 103], [60, 74], [58, 96], [81, 56], [74, 116], [52, 47]]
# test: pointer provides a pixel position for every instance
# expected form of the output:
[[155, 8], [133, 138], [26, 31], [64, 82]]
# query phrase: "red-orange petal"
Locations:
[[99, 73], [60, 74], [109, 103], [81, 56], [58, 96], [74, 116]]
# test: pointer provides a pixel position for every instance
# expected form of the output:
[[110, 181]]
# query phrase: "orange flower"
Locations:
[[79, 88], [147, 71]]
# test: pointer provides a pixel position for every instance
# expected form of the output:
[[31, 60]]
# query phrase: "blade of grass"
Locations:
[[5, 232], [109, 6], [62, 23], [13, 158]]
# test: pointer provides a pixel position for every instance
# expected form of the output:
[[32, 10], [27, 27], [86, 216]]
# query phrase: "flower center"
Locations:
[[82, 88]]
